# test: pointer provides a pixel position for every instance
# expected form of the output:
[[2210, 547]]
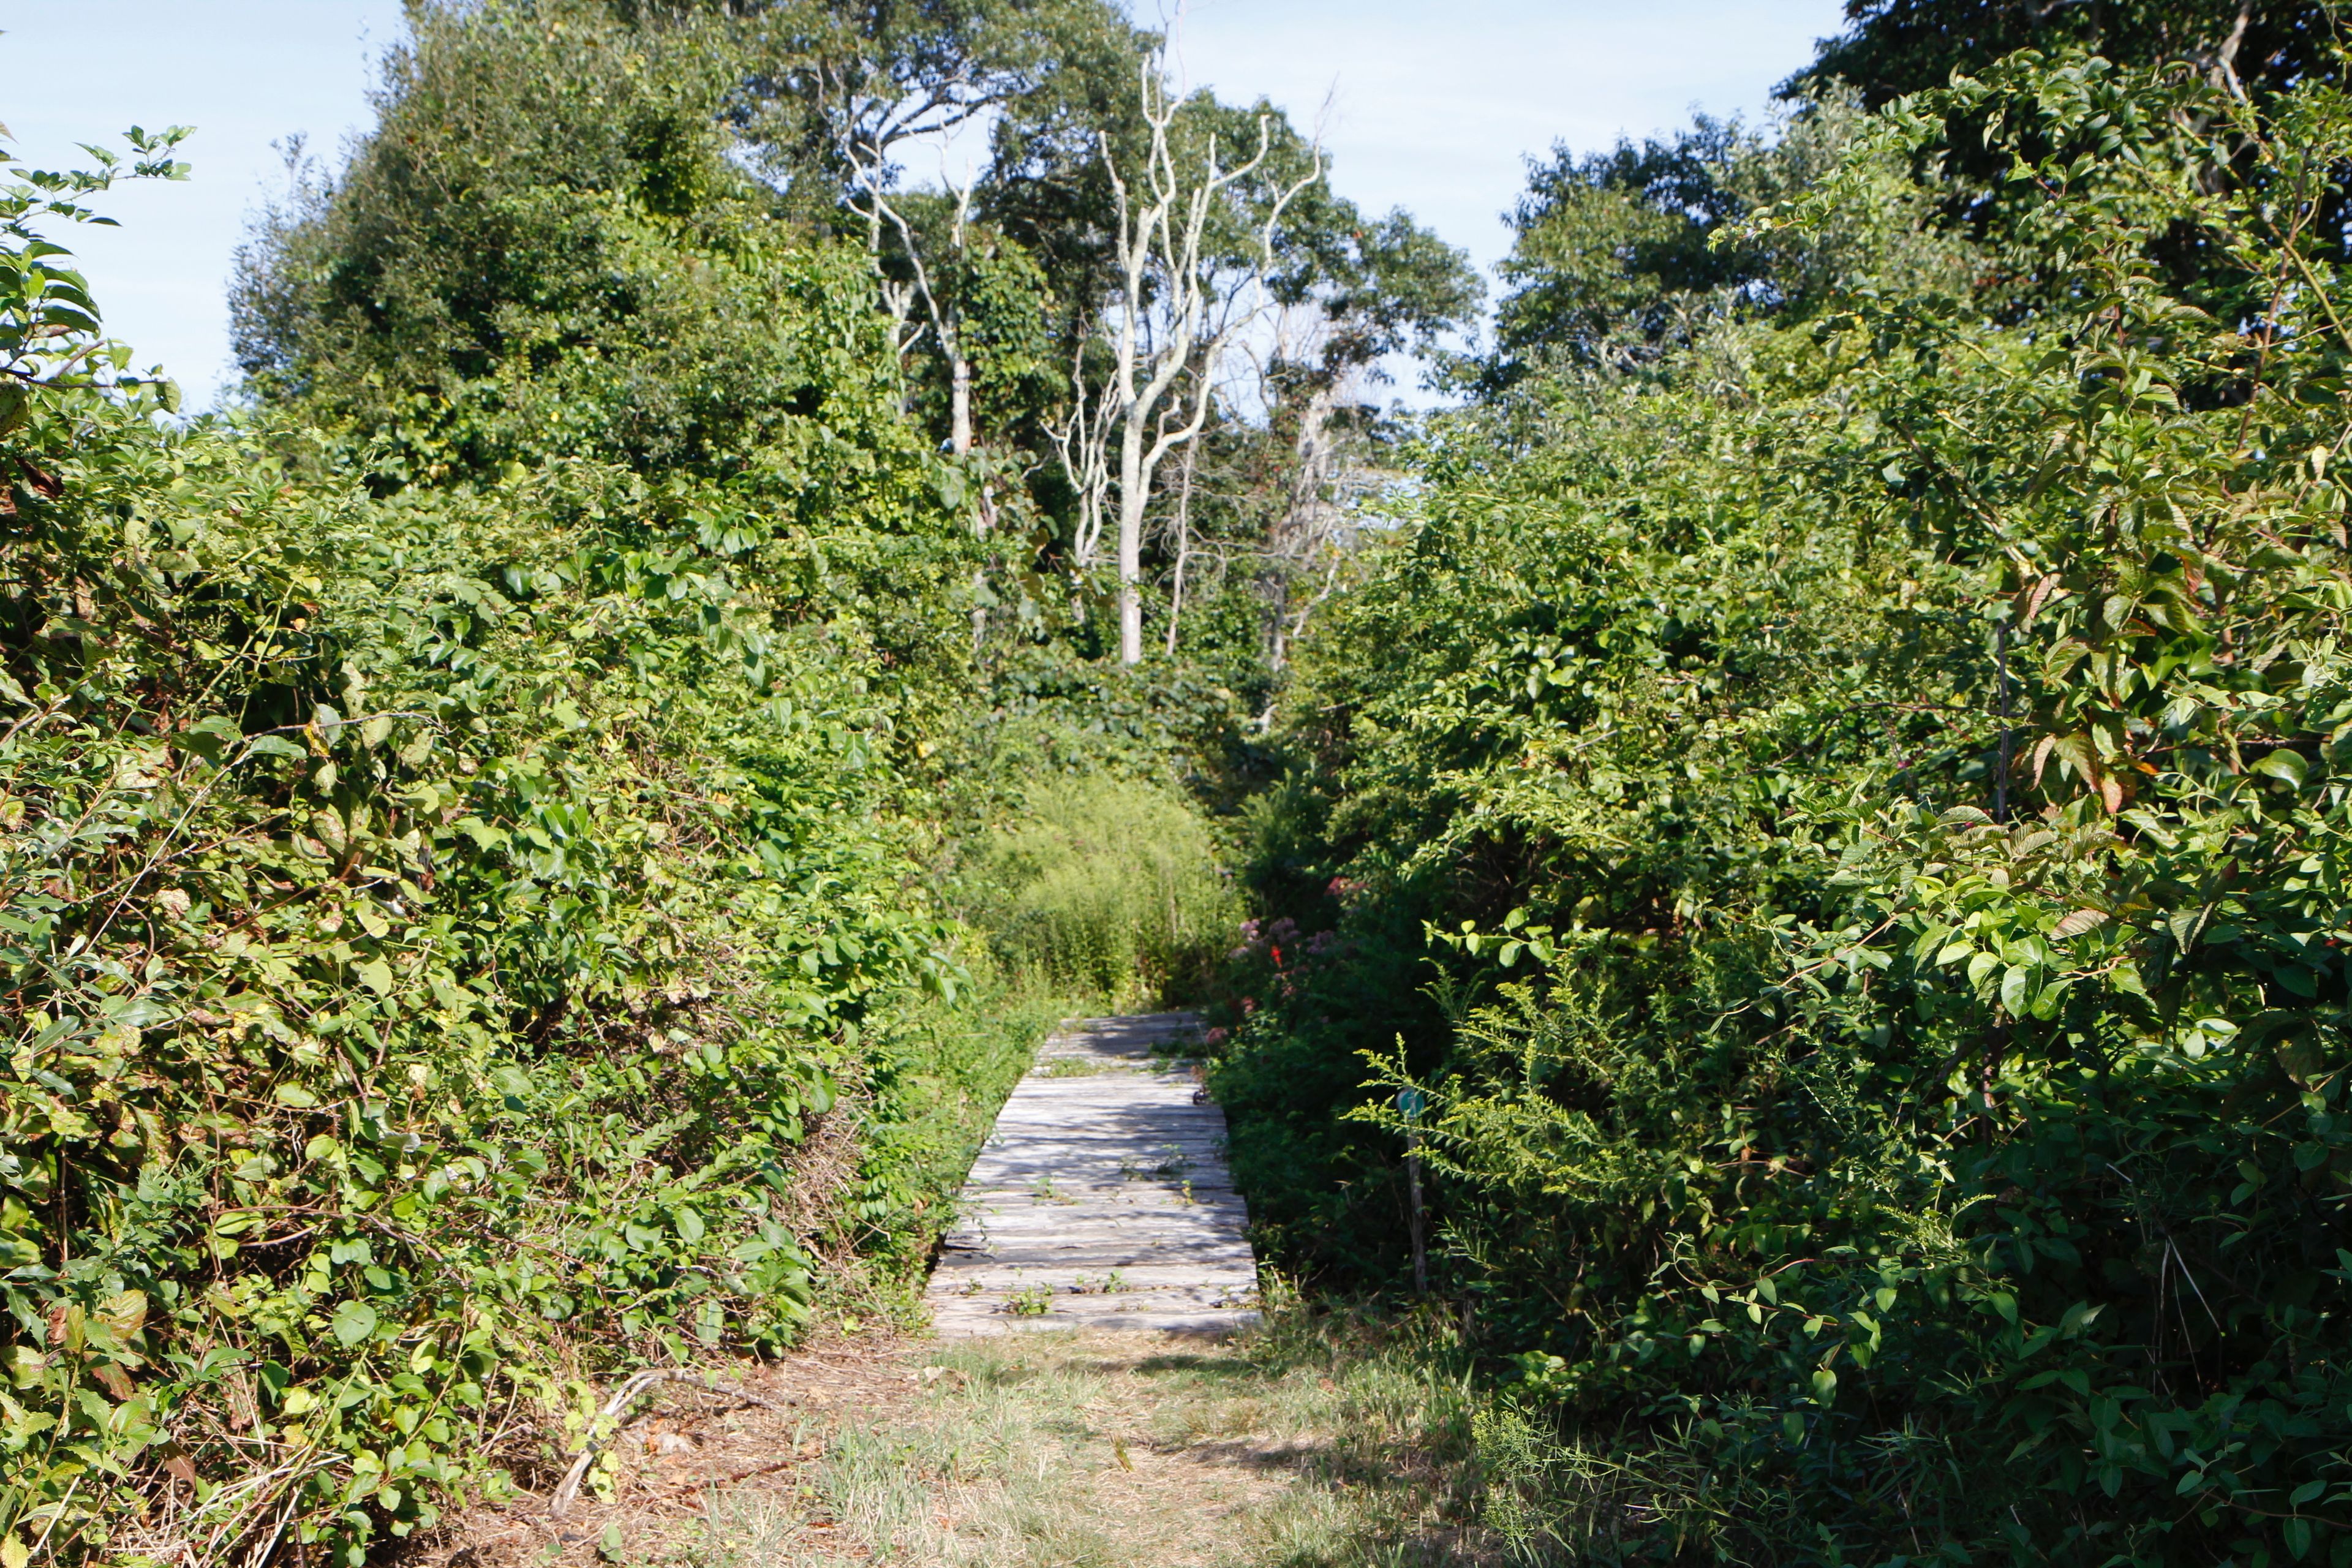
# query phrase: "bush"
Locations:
[[434, 927], [1863, 800]]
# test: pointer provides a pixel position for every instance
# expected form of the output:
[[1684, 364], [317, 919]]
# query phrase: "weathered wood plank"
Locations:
[[1102, 1197]]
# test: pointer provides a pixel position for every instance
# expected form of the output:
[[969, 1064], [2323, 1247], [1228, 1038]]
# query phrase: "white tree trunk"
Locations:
[[1134, 494], [959, 400], [1176, 312], [1183, 547]]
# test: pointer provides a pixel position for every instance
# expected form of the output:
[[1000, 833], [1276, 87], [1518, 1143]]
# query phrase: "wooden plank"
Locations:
[[1102, 1197]]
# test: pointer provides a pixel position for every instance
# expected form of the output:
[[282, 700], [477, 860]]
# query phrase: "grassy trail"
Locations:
[[1302, 1445], [1092, 1450]]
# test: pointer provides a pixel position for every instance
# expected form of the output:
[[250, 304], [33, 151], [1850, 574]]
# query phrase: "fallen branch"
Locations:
[[568, 1491]]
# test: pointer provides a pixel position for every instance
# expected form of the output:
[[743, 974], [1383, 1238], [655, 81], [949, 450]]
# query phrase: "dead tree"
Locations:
[[1175, 309], [901, 296]]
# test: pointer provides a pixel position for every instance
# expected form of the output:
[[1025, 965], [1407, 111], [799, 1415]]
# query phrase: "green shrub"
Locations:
[[1108, 887], [432, 926], [1872, 792]]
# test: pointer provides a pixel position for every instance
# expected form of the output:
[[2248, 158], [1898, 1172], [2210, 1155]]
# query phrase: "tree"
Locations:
[[830, 91], [537, 173], [1893, 47], [1352, 293], [1623, 256], [1195, 242]]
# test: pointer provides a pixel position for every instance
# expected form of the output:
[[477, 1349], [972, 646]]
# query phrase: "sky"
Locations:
[[1432, 105]]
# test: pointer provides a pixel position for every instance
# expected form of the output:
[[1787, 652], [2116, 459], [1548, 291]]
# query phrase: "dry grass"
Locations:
[[690, 1453], [1293, 1448], [1313, 1444]]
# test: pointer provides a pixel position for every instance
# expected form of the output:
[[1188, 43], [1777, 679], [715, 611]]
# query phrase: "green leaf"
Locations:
[[354, 1322], [2282, 765], [2076, 923], [2016, 991]]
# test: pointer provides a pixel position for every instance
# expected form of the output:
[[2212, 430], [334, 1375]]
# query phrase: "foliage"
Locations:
[[822, 82], [1890, 48], [1103, 886], [1865, 786], [545, 249], [1622, 256], [433, 924]]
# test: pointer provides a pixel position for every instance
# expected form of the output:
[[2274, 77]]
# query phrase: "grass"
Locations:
[[943, 1074], [1080, 1067], [1320, 1442]]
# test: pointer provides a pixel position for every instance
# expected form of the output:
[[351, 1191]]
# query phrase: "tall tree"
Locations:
[[1623, 256], [1354, 293], [538, 175], [1196, 236], [1890, 48], [830, 88]]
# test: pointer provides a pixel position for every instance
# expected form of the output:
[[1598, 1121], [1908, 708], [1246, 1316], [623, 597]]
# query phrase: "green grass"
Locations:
[[944, 1076]]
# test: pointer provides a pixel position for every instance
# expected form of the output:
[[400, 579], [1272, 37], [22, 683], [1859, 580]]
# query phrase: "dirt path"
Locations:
[[1102, 1197], [1305, 1443], [1167, 1425]]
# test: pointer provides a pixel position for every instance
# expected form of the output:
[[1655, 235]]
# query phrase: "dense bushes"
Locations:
[[438, 917], [1843, 824]]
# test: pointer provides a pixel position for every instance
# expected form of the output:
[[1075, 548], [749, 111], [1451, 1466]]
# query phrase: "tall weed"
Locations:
[[1106, 886]]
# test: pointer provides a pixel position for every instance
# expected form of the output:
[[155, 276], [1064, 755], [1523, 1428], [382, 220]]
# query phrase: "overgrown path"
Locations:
[[1102, 1197], [1169, 1425]]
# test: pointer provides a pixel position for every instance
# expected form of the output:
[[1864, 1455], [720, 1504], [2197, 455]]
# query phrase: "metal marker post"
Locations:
[[1411, 1102]]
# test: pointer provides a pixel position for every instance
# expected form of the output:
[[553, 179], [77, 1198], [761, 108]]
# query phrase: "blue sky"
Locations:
[[1427, 104]]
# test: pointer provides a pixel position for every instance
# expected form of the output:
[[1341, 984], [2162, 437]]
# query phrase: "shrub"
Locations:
[[1870, 794], [432, 927]]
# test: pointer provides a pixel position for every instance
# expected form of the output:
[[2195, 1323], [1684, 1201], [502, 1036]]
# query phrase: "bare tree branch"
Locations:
[[1174, 312]]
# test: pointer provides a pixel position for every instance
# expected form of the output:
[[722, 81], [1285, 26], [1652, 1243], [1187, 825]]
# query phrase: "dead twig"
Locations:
[[606, 1423]]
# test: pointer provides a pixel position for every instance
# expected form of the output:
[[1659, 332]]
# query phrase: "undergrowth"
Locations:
[[1103, 884]]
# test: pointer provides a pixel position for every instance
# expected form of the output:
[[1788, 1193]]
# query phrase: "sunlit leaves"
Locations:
[[1916, 741]]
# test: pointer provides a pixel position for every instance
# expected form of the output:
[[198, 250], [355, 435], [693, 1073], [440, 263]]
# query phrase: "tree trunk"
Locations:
[[1183, 547], [1133, 494], [959, 404]]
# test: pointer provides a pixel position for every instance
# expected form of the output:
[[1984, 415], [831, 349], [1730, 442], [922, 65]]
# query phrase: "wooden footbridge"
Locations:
[[1102, 1199]]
